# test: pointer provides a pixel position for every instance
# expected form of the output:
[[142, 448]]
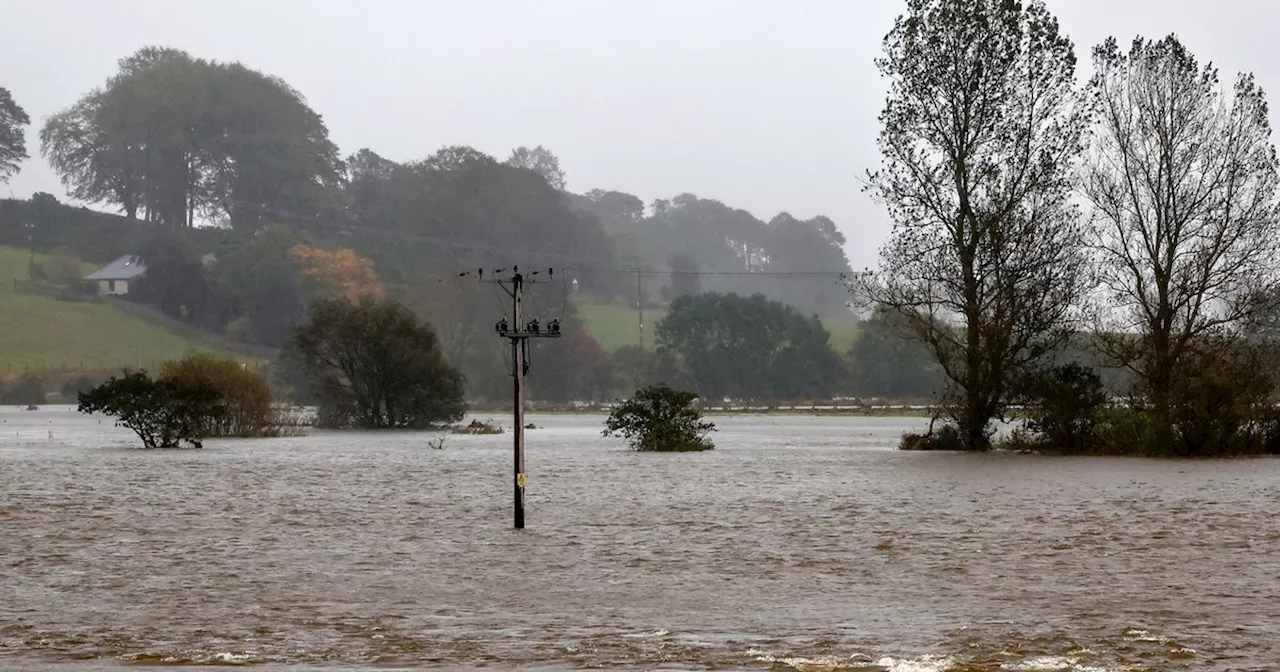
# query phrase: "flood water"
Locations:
[[800, 543]]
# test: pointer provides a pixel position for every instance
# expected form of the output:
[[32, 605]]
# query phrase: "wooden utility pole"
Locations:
[[640, 307], [519, 332]]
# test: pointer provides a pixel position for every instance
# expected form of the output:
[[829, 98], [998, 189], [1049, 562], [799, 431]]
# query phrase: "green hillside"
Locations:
[[41, 333], [615, 325]]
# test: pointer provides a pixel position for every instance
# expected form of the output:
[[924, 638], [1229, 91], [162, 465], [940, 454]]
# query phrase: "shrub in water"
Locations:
[[249, 406], [1065, 404], [163, 413], [658, 418], [946, 438]]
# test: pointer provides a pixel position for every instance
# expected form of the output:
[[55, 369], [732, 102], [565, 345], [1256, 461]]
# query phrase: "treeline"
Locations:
[[255, 288], [1171, 268], [176, 140], [244, 214]]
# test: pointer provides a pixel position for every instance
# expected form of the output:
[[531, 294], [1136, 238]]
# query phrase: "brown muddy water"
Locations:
[[801, 543]]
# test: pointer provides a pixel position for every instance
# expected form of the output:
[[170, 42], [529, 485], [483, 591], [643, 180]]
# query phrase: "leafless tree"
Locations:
[[979, 137], [1182, 178]]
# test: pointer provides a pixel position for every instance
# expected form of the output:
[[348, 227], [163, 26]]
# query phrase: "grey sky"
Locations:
[[767, 106]]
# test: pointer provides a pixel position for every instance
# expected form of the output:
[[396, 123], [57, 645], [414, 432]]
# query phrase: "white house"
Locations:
[[114, 278]]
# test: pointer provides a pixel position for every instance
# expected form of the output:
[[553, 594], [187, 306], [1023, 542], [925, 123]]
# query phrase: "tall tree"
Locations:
[[618, 210], [13, 143], [749, 348], [1182, 177], [92, 166], [175, 280], [541, 161], [685, 276], [337, 274], [803, 246], [979, 134], [373, 365], [261, 287], [171, 137], [887, 360]]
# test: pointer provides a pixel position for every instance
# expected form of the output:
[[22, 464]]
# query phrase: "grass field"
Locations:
[[40, 333], [616, 325]]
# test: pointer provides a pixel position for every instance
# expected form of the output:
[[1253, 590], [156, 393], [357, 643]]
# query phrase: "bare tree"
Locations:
[[1182, 177], [979, 135]]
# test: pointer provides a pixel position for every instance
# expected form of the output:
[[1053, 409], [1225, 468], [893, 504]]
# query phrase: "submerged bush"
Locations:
[[372, 365], [163, 413], [478, 427], [249, 409], [658, 418], [1222, 403], [1064, 406], [946, 437]]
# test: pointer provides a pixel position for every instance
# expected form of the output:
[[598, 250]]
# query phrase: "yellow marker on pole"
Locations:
[[519, 480]]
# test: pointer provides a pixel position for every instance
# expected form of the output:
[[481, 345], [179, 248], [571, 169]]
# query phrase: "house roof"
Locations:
[[124, 268]]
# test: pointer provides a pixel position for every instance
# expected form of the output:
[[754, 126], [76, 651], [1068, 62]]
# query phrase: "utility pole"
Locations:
[[519, 332], [640, 308]]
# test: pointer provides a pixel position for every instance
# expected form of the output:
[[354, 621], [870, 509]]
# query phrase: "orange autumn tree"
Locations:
[[337, 274]]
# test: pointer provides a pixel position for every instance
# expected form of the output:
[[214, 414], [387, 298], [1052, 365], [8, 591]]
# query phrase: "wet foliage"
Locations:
[[661, 419], [164, 413]]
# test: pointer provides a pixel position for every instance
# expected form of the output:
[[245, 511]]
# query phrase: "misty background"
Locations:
[[766, 106]]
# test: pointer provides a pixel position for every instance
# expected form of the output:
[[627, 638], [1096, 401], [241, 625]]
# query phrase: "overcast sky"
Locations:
[[767, 106]]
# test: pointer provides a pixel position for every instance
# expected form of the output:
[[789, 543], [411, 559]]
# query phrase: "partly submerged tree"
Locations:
[[978, 137], [247, 402], [13, 143], [163, 413], [373, 365], [1182, 177], [661, 419]]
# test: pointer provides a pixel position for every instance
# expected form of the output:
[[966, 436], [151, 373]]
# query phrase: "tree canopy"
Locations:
[[749, 348], [373, 365], [887, 360], [798, 259], [541, 161], [164, 413], [171, 137], [660, 419], [461, 205], [1189, 260], [13, 141]]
